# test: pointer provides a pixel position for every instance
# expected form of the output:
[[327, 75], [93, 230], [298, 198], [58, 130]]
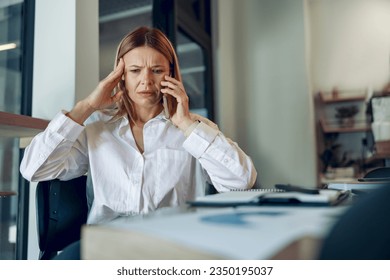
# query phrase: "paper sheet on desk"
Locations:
[[244, 233], [253, 198]]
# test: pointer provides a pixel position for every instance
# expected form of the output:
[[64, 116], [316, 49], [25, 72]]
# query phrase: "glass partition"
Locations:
[[10, 56], [13, 89], [116, 19], [193, 68]]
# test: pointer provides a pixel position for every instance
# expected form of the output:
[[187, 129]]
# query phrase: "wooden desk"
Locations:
[[242, 233], [7, 193], [14, 125]]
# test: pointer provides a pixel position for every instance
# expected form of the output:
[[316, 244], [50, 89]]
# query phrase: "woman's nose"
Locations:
[[146, 78]]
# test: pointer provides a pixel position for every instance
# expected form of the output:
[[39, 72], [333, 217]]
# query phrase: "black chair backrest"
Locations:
[[61, 211], [363, 231], [380, 172]]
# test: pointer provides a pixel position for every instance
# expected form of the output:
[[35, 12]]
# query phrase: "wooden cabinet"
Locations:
[[343, 134]]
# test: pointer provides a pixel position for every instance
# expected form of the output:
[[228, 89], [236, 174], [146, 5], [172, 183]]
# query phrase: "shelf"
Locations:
[[14, 125], [326, 181], [334, 127], [354, 133], [377, 157], [343, 96]]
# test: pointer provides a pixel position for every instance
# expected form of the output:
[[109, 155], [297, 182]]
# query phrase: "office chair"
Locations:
[[363, 232], [61, 211], [380, 172]]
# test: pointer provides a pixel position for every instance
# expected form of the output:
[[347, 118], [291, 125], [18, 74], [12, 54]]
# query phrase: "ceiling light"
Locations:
[[9, 46]]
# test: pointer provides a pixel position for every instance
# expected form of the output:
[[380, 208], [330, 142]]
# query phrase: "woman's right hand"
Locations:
[[101, 97]]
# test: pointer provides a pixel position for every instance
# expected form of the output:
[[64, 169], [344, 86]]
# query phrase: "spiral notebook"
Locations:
[[259, 197]]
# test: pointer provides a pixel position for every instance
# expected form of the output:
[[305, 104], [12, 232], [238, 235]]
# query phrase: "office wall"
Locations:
[[350, 42], [66, 54], [54, 54], [224, 23], [261, 64]]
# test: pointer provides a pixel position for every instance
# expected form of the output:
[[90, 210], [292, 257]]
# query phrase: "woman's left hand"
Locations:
[[175, 88]]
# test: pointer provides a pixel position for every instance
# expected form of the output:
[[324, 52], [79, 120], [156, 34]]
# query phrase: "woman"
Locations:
[[141, 147]]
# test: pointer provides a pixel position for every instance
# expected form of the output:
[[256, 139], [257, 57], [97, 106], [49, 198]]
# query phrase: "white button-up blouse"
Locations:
[[122, 181]]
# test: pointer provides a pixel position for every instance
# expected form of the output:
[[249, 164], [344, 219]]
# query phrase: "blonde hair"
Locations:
[[157, 40]]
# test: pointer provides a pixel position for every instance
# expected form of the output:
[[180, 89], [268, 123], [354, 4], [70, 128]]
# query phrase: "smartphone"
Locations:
[[165, 105], [168, 102]]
